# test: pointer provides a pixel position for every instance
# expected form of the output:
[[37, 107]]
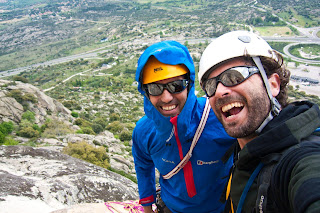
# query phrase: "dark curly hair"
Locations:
[[277, 66]]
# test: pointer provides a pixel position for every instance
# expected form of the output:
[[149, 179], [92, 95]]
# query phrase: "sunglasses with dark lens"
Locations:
[[230, 77], [173, 87]]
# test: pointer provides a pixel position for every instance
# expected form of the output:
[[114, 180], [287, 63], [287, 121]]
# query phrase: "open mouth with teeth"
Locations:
[[168, 108], [232, 109]]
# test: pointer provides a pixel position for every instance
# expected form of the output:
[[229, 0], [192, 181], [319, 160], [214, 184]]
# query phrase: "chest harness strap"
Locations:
[[247, 187]]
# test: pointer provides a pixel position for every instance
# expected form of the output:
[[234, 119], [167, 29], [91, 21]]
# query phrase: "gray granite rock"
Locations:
[[57, 180]]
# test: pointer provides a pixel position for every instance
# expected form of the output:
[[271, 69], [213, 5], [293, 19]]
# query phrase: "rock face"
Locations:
[[12, 110], [56, 180]]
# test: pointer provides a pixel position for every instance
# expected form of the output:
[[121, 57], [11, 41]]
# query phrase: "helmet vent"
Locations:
[[244, 39]]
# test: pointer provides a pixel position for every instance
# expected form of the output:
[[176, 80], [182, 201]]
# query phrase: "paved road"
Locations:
[[89, 54], [94, 53], [287, 53]]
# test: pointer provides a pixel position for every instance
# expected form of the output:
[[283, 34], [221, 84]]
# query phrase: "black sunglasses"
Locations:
[[173, 87], [230, 77]]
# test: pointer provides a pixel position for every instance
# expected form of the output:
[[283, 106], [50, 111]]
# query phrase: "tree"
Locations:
[[97, 128], [125, 135], [114, 117], [101, 120]]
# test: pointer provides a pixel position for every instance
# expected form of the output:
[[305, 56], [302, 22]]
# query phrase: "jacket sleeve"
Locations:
[[144, 166], [300, 178]]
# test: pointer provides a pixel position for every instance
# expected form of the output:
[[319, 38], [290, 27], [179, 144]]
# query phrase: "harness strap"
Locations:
[[197, 135], [248, 185], [263, 183]]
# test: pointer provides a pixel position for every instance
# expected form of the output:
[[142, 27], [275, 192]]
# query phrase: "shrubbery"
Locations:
[[115, 127], [120, 172], [50, 129], [86, 126], [20, 78], [20, 97], [27, 128], [84, 151], [296, 94], [74, 114], [54, 128], [29, 132], [5, 129]]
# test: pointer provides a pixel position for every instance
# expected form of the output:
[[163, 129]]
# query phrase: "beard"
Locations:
[[258, 108]]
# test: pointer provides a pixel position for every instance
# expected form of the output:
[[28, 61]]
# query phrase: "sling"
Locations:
[[197, 135]]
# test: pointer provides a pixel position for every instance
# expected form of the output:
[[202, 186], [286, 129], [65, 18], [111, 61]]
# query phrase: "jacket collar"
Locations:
[[296, 121], [184, 118]]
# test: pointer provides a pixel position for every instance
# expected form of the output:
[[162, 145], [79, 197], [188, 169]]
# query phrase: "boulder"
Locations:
[[10, 109], [53, 180], [45, 106]]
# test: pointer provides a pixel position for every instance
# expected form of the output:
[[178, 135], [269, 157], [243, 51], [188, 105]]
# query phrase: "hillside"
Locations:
[[37, 31]]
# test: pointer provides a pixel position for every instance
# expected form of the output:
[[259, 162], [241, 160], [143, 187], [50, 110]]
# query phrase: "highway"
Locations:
[[309, 38]]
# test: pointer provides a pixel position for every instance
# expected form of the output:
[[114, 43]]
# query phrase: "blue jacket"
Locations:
[[154, 145]]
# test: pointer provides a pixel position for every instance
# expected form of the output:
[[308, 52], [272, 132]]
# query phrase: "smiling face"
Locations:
[[241, 108], [169, 105]]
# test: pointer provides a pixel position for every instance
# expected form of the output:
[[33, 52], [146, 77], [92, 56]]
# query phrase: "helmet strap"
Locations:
[[275, 106]]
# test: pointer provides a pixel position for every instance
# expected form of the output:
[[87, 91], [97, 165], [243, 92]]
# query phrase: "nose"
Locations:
[[166, 96], [222, 90]]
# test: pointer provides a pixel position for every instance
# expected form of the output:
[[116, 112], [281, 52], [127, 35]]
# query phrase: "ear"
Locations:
[[274, 82]]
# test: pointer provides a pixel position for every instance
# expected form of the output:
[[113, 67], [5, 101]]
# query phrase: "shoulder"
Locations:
[[298, 174], [298, 153], [145, 124], [304, 153]]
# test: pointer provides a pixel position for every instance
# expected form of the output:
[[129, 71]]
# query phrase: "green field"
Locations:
[[308, 51], [274, 31]]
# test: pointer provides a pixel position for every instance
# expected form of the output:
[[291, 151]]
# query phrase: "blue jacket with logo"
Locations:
[[155, 146]]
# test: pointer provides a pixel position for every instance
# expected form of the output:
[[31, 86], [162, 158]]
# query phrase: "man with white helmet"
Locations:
[[174, 136], [277, 159]]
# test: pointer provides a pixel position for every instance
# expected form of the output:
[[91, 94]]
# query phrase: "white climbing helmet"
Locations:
[[235, 44], [231, 45]]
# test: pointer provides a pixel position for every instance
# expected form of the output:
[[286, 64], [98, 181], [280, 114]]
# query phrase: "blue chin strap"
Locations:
[[275, 107]]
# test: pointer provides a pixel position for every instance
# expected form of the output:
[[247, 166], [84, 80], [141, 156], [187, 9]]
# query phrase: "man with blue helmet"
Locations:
[[179, 135]]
